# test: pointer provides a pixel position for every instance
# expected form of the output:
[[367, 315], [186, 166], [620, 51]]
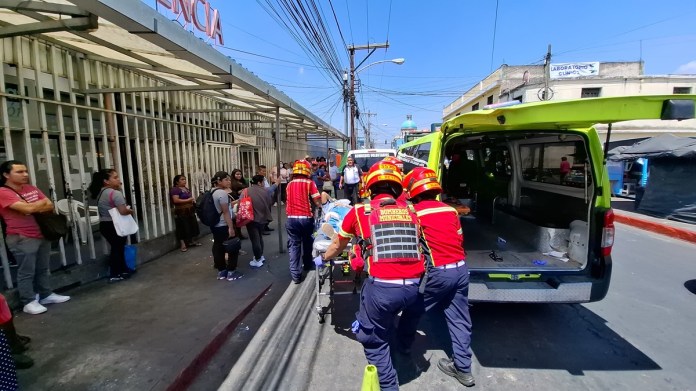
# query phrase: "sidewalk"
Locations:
[[156, 331], [675, 229], [293, 351]]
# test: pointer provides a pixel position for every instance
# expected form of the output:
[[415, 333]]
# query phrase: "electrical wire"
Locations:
[[338, 25], [302, 19], [495, 28]]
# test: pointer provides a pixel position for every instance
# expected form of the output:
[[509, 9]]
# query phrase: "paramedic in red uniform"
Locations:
[[395, 266], [398, 163], [300, 224], [447, 276]]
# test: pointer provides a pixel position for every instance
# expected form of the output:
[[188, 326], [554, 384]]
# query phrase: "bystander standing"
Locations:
[[224, 229], [184, 213], [105, 189], [261, 202], [19, 202]]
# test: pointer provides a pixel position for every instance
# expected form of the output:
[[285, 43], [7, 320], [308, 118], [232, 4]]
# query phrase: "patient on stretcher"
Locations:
[[332, 213]]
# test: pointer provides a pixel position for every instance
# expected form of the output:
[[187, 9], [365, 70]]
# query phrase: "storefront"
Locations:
[[139, 94]]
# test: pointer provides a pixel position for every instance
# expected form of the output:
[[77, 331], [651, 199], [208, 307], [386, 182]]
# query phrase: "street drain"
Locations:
[[691, 286]]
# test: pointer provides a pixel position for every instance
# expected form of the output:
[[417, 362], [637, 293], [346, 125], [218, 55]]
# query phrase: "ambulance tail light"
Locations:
[[608, 232]]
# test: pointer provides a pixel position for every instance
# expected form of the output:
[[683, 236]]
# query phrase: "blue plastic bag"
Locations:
[[131, 256]]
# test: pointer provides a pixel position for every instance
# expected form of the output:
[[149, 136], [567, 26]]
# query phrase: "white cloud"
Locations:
[[301, 69], [688, 69]]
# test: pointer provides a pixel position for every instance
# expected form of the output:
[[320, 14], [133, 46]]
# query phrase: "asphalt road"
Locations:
[[640, 337]]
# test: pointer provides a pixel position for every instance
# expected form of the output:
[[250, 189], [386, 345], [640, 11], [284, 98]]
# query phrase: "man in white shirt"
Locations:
[[335, 178], [350, 179]]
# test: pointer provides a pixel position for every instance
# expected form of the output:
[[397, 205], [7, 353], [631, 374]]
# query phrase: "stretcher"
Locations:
[[327, 222]]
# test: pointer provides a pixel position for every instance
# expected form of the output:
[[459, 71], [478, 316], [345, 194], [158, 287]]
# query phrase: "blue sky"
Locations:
[[449, 46]]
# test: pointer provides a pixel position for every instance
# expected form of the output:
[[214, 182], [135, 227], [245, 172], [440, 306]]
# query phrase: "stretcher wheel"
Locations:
[[321, 318]]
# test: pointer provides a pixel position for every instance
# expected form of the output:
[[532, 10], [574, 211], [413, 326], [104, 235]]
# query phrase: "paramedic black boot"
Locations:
[[446, 365]]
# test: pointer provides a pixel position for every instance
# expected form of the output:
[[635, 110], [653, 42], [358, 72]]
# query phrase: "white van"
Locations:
[[365, 158]]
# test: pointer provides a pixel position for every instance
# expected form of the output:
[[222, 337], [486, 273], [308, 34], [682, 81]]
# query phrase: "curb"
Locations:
[[281, 354], [662, 229], [198, 364]]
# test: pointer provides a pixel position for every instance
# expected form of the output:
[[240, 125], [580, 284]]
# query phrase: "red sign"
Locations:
[[199, 14]]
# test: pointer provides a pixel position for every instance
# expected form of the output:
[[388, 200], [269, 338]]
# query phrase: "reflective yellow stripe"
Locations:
[[436, 210], [357, 217], [345, 234]]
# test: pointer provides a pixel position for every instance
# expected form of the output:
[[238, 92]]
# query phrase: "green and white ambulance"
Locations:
[[533, 180]]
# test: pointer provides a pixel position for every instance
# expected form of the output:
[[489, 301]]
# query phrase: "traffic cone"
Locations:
[[370, 379]]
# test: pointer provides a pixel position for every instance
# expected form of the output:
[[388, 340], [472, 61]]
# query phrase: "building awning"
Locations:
[[132, 34]]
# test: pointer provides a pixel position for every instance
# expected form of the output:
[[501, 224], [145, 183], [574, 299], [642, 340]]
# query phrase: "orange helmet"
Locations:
[[301, 167], [420, 180], [382, 172], [395, 161]]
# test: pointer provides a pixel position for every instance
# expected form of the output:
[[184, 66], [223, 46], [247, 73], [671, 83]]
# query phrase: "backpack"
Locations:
[[394, 233], [205, 209]]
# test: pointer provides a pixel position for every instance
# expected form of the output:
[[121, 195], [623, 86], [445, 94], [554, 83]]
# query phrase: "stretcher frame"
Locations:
[[325, 281]]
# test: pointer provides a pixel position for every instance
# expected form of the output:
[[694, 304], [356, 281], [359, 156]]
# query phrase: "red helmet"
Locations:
[[420, 180], [301, 167], [395, 161], [383, 172]]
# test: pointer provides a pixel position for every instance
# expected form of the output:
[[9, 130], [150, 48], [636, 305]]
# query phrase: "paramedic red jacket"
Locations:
[[442, 232], [298, 192], [356, 223]]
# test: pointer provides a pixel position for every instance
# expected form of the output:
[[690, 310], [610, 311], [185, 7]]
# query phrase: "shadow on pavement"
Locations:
[[551, 336]]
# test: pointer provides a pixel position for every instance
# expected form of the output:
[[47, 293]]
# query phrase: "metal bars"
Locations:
[[147, 136]]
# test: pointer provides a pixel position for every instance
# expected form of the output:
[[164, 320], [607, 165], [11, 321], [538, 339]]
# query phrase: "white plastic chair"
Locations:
[[86, 221]]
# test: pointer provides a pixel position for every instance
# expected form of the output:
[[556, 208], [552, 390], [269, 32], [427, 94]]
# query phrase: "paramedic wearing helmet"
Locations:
[[300, 224], [398, 163], [447, 276], [388, 232]]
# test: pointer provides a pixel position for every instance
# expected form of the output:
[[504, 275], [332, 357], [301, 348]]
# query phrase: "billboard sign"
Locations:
[[198, 14], [574, 69]]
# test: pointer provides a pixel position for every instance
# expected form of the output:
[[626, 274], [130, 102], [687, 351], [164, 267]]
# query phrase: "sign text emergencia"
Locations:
[[190, 10]]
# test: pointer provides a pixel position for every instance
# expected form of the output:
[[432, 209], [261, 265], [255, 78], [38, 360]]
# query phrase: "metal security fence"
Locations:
[[55, 118]]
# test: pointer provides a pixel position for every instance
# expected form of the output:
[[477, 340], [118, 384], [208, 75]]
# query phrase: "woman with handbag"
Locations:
[[105, 189], [237, 185], [261, 203], [184, 213], [20, 203]]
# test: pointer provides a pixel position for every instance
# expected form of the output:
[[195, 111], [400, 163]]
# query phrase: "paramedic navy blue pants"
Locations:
[[380, 304], [299, 244], [449, 288]]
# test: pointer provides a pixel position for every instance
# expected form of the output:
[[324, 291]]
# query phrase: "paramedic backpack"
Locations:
[[205, 208], [394, 234]]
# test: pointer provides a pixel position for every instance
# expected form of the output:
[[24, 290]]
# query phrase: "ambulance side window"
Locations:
[[423, 152], [563, 163], [408, 157]]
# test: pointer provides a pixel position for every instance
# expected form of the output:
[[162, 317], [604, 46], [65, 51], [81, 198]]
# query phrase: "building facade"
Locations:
[[138, 93], [527, 83]]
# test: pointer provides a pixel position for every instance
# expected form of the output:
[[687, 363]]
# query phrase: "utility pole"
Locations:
[[547, 73], [351, 50], [368, 135], [345, 104]]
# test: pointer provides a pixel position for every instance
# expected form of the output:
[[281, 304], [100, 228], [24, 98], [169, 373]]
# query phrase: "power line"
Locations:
[[495, 28], [350, 24], [270, 58], [389, 19], [338, 25]]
